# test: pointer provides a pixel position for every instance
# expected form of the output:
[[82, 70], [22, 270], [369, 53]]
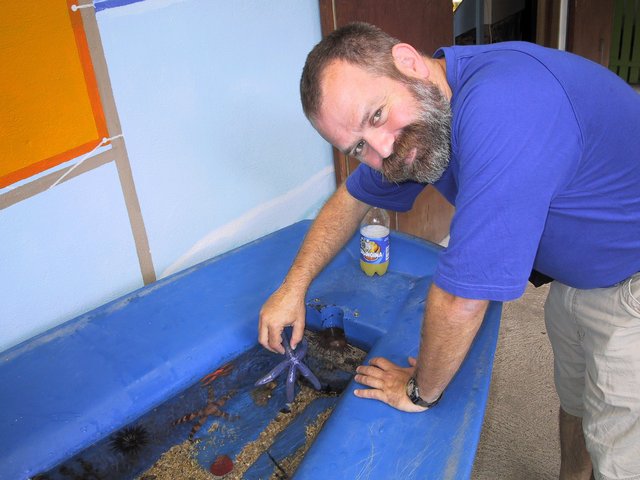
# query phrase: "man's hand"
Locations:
[[335, 224], [282, 309], [388, 383]]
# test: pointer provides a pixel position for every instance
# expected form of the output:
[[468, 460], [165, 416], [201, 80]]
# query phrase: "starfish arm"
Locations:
[[273, 373], [301, 351], [309, 375], [287, 346], [291, 383]]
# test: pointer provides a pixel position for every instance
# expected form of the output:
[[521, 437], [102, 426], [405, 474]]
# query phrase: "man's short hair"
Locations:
[[357, 43]]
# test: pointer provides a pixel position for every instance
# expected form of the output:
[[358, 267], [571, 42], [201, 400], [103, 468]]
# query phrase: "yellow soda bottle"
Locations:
[[374, 242]]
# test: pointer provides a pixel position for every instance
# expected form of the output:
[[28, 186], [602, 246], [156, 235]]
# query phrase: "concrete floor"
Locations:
[[520, 434]]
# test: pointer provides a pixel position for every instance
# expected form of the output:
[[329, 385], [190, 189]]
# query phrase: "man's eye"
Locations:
[[376, 116], [358, 149]]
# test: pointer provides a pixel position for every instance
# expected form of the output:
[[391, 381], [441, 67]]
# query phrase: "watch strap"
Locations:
[[413, 392]]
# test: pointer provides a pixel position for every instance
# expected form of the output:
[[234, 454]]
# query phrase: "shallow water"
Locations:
[[224, 417]]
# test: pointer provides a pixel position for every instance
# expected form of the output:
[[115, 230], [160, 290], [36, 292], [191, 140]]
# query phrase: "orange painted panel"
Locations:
[[50, 109]]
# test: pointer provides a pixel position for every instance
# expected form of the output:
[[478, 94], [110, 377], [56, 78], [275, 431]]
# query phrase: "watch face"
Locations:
[[413, 392], [410, 385]]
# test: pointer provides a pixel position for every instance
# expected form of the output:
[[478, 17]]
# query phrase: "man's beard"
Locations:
[[430, 135]]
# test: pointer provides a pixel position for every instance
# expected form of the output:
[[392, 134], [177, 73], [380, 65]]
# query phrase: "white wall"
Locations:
[[207, 94]]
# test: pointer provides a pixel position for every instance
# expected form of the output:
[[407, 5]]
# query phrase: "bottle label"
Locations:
[[374, 249]]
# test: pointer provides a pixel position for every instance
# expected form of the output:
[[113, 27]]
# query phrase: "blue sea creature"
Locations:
[[293, 360]]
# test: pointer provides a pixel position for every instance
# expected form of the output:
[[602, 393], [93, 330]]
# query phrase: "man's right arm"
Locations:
[[333, 227]]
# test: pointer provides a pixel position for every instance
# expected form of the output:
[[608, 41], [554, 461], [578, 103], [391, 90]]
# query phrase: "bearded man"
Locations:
[[539, 151]]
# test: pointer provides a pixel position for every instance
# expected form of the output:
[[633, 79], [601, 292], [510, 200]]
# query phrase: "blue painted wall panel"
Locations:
[[63, 252], [209, 103]]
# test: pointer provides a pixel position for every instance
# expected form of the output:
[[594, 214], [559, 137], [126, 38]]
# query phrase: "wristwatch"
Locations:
[[413, 392]]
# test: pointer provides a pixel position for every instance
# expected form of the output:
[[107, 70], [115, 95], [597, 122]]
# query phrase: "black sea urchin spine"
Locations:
[[129, 440]]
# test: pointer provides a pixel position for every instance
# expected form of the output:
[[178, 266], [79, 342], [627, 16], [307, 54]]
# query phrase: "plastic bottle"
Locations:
[[374, 242]]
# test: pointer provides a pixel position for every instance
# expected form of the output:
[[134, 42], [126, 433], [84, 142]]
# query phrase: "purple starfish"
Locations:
[[293, 360]]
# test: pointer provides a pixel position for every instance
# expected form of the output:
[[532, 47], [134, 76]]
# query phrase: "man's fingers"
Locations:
[[381, 363], [370, 371], [265, 339], [281, 309], [387, 382], [297, 334], [369, 381], [263, 334], [370, 393], [413, 361], [275, 340]]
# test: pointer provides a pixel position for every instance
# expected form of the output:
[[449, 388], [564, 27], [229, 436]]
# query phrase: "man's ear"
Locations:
[[409, 61]]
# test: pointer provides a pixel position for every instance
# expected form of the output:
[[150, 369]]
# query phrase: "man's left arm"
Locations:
[[449, 326]]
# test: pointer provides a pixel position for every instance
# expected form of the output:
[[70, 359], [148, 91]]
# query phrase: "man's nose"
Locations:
[[382, 143]]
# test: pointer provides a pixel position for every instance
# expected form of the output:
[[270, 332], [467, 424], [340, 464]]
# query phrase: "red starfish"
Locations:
[[221, 372], [211, 408]]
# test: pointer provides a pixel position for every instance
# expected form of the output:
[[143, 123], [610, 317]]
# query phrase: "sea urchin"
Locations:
[[129, 440]]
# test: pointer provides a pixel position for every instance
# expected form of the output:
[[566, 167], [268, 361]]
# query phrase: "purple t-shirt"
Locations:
[[544, 172]]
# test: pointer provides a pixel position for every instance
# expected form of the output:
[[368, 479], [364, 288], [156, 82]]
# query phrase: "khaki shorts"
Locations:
[[595, 335]]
